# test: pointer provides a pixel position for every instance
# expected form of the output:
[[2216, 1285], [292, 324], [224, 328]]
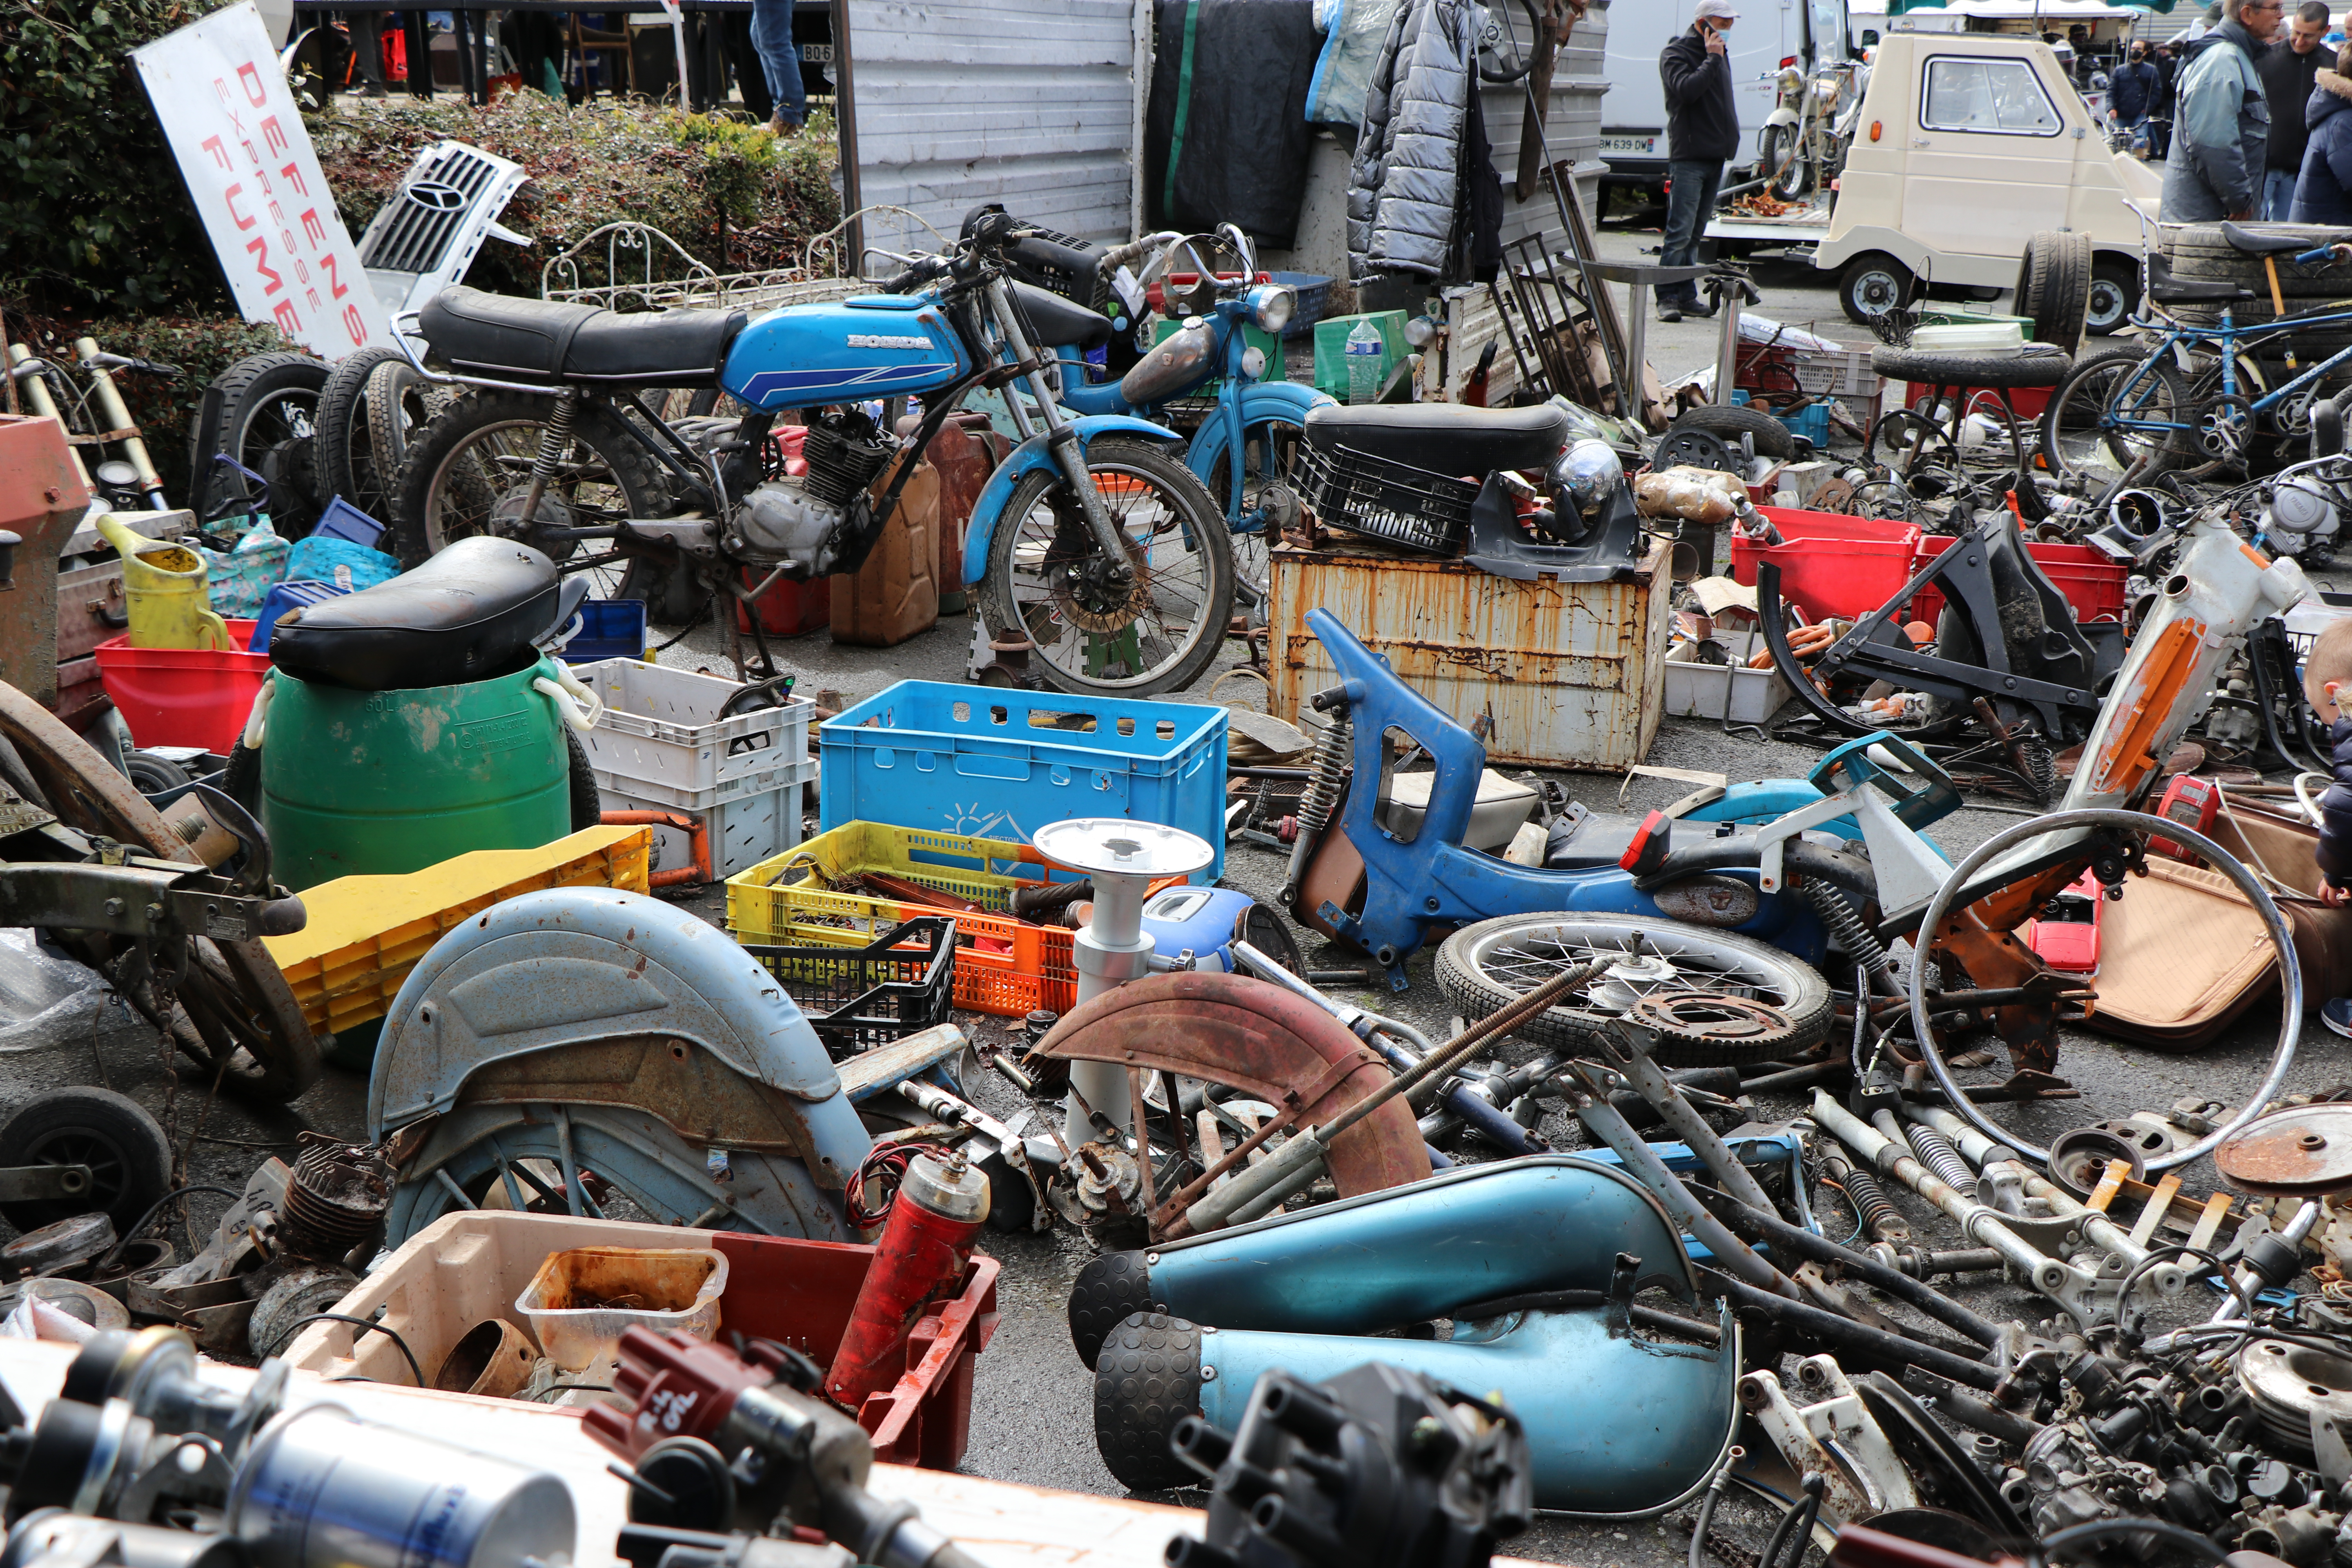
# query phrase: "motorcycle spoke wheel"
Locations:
[[1046, 576], [1712, 997]]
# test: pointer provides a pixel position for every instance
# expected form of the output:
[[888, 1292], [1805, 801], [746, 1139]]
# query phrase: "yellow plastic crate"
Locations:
[[366, 933], [1004, 966]]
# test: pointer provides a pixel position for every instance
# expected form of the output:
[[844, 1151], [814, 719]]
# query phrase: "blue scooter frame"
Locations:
[[1432, 880]]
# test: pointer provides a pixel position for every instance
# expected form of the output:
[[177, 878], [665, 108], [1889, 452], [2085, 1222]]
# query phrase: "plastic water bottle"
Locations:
[[1367, 352]]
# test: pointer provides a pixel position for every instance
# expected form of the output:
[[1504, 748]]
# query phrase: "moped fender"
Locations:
[[1784, 115], [1285, 400], [1033, 454]]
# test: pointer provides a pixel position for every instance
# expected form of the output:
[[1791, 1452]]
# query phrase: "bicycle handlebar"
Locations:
[[2313, 258]]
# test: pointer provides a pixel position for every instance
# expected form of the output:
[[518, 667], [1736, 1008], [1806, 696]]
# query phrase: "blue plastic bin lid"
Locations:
[[341, 520], [285, 596]]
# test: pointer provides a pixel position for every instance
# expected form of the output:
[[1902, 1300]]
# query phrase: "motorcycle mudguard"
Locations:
[[1031, 454], [1268, 401]]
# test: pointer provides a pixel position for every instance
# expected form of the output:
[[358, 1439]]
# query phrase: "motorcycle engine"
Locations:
[[796, 518], [2303, 514]]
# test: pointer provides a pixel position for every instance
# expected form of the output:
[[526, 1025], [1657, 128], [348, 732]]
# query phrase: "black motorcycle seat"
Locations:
[[498, 335], [2259, 242], [1059, 323], [1443, 437], [1592, 840], [462, 615]]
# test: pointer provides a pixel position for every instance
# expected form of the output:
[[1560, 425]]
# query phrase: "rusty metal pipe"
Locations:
[[697, 833], [1601, 1120]]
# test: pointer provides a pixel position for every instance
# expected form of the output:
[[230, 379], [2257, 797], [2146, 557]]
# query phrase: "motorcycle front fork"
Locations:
[[1061, 438]]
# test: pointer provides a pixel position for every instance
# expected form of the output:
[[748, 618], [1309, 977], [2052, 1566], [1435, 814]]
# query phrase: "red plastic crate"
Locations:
[[1832, 564], [800, 1292], [183, 697], [2092, 585], [2028, 402]]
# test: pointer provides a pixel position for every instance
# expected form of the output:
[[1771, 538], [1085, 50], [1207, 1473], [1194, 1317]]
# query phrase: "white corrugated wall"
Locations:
[[1027, 103]]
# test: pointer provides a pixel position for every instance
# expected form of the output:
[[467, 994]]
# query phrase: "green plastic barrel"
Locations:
[[381, 783]]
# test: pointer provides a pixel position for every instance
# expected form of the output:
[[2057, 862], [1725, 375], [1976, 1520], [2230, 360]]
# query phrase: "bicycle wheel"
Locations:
[[1714, 999], [2108, 417], [1266, 452], [469, 472], [1046, 575]]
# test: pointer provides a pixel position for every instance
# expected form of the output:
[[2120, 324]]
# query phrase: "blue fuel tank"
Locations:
[[880, 345]]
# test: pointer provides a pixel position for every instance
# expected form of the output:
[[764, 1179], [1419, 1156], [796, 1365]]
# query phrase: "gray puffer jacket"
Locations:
[[1403, 191], [2221, 131]]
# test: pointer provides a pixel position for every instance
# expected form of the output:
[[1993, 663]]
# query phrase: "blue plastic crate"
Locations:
[[341, 520], [609, 628], [986, 763], [285, 596], [1811, 421], [1313, 293]]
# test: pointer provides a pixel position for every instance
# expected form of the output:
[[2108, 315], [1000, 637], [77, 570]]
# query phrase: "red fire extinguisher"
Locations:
[[926, 1245]]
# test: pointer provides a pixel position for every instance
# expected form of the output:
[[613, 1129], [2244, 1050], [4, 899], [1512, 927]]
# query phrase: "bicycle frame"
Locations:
[[2181, 340]]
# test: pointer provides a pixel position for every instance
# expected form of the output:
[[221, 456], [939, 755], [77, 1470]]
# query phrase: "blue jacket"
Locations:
[[2131, 91], [2323, 191]]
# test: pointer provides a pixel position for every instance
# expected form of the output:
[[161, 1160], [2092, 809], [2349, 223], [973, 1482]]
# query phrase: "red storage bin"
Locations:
[[1831, 565], [183, 697], [2092, 585]]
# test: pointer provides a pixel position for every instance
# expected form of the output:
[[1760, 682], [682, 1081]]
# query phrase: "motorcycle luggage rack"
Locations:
[[1396, 501]]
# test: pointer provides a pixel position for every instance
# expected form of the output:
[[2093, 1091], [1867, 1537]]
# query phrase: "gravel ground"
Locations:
[[1032, 1416]]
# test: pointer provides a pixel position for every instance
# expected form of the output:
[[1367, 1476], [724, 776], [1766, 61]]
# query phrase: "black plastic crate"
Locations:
[[1391, 500], [859, 997]]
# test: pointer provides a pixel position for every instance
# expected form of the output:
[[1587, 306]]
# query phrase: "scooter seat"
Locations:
[[498, 335], [463, 615], [2267, 241], [1443, 437], [1588, 841], [1058, 323]]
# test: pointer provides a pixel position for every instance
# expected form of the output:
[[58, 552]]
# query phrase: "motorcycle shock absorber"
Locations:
[[1324, 772], [1881, 1221], [1937, 1154], [1861, 944], [554, 437]]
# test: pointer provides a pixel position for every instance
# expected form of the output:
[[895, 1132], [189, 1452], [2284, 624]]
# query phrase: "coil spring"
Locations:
[[1938, 1155], [554, 437], [1881, 1220], [1856, 938], [1331, 749]]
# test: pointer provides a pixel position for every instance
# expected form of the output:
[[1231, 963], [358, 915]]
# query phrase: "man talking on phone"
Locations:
[[1701, 133]]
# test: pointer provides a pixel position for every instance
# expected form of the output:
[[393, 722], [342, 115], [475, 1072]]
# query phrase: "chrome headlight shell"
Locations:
[[1586, 474], [1271, 306]]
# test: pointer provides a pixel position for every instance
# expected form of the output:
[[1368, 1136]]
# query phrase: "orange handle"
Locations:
[[697, 830]]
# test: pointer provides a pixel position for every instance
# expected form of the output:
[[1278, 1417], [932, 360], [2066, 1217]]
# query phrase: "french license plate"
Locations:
[[1628, 146]]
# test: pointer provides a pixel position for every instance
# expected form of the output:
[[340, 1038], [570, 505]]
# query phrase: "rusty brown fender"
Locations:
[[1230, 1029]]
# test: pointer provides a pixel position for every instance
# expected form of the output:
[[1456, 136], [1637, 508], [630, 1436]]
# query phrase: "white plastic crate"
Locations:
[[1705, 690], [748, 823], [661, 736]]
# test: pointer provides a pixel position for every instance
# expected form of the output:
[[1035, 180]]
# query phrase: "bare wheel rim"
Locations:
[[1645, 959], [481, 484], [1073, 628]]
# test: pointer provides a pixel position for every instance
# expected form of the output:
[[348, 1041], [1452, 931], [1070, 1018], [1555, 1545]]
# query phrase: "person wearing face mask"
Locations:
[[2289, 72], [1701, 134]]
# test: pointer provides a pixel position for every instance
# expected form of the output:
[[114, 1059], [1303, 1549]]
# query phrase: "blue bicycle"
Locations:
[[2194, 399]]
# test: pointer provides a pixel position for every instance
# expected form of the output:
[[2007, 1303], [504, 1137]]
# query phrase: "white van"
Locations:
[[1634, 111], [1968, 144]]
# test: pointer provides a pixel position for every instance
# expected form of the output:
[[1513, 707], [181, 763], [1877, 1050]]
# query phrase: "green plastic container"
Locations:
[[1331, 349], [381, 782]]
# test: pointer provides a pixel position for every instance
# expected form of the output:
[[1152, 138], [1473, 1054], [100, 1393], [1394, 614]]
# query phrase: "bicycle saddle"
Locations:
[[551, 340], [2265, 241], [463, 615], [1443, 437], [2166, 289]]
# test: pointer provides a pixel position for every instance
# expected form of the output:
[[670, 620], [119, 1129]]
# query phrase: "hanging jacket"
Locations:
[[2221, 131], [1403, 188], [2323, 192]]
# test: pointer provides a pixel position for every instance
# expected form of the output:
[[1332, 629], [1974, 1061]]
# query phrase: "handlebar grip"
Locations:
[[1324, 701], [2313, 258], [903, 281]]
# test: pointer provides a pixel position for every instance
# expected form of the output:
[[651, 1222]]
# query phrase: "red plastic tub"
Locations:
[[2092, 585], [1832, 564], [183, 697]]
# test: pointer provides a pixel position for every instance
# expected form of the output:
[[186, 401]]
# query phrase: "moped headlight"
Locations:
[[1271, 306]]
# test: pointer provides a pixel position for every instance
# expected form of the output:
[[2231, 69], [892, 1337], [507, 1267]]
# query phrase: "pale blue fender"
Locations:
[[572, 969], [1031, 454], [1262, 403], [1622, 1421]]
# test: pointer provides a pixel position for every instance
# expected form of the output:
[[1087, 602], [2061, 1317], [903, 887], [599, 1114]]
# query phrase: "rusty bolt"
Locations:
[[115, 907]]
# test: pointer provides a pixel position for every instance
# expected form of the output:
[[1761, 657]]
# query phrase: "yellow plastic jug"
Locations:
[[166, 587]]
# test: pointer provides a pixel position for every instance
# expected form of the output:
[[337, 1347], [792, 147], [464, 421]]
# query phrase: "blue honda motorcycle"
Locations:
[[1114, 551]]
